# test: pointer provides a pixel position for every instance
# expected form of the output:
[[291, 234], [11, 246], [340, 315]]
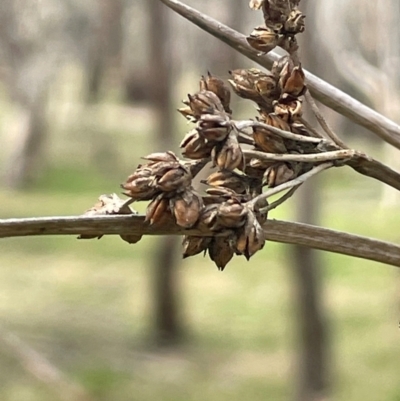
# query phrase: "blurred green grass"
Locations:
[[87, 306]]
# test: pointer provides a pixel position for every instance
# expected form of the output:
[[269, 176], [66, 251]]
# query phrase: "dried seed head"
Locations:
[[131, 238], [216, 85], [229, 155], [195, 147], [291, 80], [256, 4], [229, 179], [176, 179], [267, 87], [267, 141], [251, 238], [290, 111], [187, 113], [220, 251], [231, 214], [158, 211], [108, 205], [295, 22], [213, 129], [208, 218], [193, 245], [187, 208], [205, 102], [162, 157], [278, 174], [140, 188], [243, 83], [263, 39]]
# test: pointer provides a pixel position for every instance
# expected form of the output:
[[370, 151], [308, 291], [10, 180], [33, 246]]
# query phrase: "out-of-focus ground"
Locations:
[[86, 305]]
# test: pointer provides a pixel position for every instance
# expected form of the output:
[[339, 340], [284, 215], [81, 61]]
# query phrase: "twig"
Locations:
[[310, 128], [42, 369], [309, 157], [275, 230], [323, 123], [290, 184], [281, 200], [284, 134], [321, 90]]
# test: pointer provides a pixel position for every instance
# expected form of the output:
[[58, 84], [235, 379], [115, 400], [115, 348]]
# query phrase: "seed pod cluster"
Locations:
[[229, 214], [166, 182], [214, 135], [283, 20]]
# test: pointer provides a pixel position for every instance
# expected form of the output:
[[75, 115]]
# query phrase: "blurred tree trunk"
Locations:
[[105, 46], [27, 145], [312, 367], [27, 154], [167, 324]]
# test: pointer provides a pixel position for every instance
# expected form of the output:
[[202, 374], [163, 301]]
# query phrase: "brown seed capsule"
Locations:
[[174, 179], [228, 179], [263, 39], [157, 210], [131, 238], [193, 245], [205, 102], [266, 86], [290, 111], [217, 86], [231, 214], [295, 22], [195, 146], [267, 141], [220, 252], [230, 155], [212, 130], [140, 188], [278, 174], [251, 238], [187, 113], [243, 83], [187, 208], [291, 80], [162, 157], [208, 218]]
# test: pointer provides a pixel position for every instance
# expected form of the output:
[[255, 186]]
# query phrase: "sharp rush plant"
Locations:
[[275, 151]]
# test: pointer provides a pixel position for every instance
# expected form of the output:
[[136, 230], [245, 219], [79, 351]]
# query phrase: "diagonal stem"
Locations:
[[321, 90]]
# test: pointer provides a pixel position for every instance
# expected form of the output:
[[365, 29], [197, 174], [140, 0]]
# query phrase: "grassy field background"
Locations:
[[87, 305]]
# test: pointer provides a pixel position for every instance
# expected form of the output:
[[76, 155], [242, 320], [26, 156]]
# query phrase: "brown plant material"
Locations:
[[217, 86], [192, 245], [158, 210], [267, 141], [251, 238], [263, 39], [110, 205], [220, 252], [228, 155], [186, 207], [278, 174]]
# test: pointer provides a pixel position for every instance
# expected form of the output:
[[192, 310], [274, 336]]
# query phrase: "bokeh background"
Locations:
[[86, 88]]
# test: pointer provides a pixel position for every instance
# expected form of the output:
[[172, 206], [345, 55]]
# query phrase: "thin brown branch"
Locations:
[[242, 125], [323, 123], [309, 157], [275, 230], [310, 128], [321, 90], [281, 200], [290, 184], [42, 369]]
